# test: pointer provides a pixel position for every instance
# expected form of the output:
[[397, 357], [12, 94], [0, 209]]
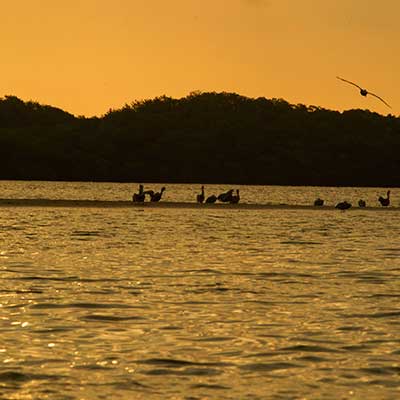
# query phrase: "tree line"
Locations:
[[201, 138]]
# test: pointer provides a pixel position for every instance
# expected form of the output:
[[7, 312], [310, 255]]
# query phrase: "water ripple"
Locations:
[[198, 303], [270, 367]]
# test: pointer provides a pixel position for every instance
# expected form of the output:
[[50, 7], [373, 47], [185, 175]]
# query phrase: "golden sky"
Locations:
[[87, 56]]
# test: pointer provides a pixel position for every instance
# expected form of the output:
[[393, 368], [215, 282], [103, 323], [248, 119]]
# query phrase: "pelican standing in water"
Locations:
[[200, 197], [318, 202], [211, 199], [235, 198], [154, 197], [344, 205], [362, 203], [139, 197], [385, 201], [363, 92], [157, 196], [225, 197]]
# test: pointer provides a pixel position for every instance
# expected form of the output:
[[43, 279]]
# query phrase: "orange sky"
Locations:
[[86, 56]]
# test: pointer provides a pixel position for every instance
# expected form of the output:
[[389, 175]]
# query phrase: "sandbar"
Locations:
[[169, 204]]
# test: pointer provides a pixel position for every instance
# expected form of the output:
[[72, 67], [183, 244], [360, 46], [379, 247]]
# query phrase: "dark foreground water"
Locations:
[[136, 303]]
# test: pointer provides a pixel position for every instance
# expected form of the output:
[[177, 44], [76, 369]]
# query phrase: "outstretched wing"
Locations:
[[351, 83], [380, 98]]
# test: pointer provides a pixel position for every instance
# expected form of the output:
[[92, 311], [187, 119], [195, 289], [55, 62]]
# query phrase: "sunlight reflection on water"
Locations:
[[157, 303]]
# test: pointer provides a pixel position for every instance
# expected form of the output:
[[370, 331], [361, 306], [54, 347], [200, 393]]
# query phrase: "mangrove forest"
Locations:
[[201, 138]]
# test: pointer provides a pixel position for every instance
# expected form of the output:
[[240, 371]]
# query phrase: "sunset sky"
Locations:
[[87, 56]]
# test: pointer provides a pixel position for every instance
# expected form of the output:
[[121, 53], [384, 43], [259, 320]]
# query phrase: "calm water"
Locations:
[[198, 303]]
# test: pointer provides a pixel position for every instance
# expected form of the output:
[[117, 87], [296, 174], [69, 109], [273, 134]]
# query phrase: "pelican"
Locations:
[[318, 202], [235, 198], [139, 197], [344, 205], [364, 92], [361, 203], [211, 199], [156, 196], [200, 197], [226, 197], [385, 201]]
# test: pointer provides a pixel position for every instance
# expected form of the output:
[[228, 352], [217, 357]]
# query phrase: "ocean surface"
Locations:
[[171, 303]]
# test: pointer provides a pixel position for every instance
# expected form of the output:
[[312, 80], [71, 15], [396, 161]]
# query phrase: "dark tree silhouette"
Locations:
[[201, 138]]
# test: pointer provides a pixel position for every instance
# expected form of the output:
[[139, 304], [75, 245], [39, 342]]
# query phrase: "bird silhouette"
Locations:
[[211, 199], [344, 205], [235, 198], [155, 197], [139, 197], [200, 197], [362, 203], [363, 92], [226, 197], [385, 201], [318, 202]]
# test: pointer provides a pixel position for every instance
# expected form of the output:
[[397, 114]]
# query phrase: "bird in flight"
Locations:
[[364, 92]]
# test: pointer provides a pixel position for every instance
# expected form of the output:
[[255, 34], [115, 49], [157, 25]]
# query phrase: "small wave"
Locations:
[[385, 383], [212, 387], [92, 367], [14, 376], [385, 295], [285, 275], [301, 242], [86, 233], [309, 348], [356, 348], [176, 363], [351, 328], [81, 305], [276, 366], [41, 361], [381, 370], [167, 362], [18, 291], [214, 339], [127, 385], [267, 354], [204, 271], [45, 278], [56, 330], [364, 275], [186, 372], [313, 359], [375, 315], [110, 318], [63, 279]]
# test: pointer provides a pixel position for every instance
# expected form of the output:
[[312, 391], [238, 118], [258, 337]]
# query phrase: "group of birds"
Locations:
[[226, 197], [229, 197], [344, 205], [140, 197]]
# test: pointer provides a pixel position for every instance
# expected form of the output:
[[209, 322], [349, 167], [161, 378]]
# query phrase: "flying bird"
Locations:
[[364, 92]]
